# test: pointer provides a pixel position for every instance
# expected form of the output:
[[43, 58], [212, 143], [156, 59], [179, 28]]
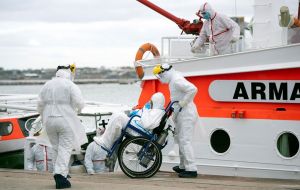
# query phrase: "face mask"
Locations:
[[148, 105], [163, 81], [163, 78], [206, 15]]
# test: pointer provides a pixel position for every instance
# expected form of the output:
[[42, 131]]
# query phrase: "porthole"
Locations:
[[5, 128], [287, 145], [220, 141]]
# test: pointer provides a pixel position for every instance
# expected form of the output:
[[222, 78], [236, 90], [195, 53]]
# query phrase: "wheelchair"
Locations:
[[140, 155]]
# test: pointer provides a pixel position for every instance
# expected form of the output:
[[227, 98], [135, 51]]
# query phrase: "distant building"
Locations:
[[31, 76], [81, 73]]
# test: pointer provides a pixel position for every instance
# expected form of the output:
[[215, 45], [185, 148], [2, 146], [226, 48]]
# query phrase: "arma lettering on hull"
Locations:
[[277, 91]]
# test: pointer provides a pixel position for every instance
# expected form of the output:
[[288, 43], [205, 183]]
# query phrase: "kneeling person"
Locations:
[[95, 156], [40, 156]]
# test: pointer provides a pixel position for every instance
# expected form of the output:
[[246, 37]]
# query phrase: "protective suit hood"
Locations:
[[64, 73], [94, 159], [205, 7], [100, 130], [158, 100], [221, 31]]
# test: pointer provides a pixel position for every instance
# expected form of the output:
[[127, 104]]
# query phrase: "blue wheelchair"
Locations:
[[140, 155]]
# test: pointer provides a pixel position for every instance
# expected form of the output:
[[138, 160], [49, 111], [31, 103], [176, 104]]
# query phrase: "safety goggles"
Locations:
[[201, 13], [159, 69], [72, 67]]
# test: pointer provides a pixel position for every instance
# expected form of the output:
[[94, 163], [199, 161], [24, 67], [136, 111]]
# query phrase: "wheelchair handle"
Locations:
[[170, 105]]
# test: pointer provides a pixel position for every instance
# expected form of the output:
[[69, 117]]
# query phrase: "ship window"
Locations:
[[22, 122], [287, 145], [220, 141], [5, 128]]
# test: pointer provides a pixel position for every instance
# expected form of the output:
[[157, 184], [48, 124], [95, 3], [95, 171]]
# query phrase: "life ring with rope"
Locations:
[[139, 56]]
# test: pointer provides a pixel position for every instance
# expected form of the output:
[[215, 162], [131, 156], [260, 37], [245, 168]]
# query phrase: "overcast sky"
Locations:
[[91, 33]]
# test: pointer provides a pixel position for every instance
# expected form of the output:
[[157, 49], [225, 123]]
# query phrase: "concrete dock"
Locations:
[[30, 180]]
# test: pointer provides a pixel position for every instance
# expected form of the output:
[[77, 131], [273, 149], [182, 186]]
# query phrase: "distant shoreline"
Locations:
[[77, 81]]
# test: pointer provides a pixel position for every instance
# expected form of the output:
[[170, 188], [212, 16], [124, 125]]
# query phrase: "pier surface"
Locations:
[[30, 180]]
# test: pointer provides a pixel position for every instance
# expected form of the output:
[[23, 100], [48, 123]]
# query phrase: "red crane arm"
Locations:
[[185, 25], [163, 12]]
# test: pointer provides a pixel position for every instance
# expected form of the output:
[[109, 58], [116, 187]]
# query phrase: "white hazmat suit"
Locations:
[[59, 102], [220, 29], [94, 159], [185, 120], [40, 156], [150, 119], [95, 156]]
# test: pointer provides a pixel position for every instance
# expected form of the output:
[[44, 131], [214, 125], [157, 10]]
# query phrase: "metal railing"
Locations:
[[168, 44]]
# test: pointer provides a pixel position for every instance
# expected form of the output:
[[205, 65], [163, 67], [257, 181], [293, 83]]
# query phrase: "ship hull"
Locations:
[[14, 159], [249, 113]]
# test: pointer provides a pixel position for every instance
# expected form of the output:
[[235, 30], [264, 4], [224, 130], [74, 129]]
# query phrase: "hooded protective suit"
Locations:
[[150, 118], [94, 159], [183, 91], [220, 29], [59, 101], [41, 157]]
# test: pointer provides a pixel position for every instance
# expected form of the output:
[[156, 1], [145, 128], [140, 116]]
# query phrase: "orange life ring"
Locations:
[[297, 22], [139, 55]]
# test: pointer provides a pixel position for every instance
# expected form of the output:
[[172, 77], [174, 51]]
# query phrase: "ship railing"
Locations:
[[181, 47], [174, 49], [161, 60], [18, 103]]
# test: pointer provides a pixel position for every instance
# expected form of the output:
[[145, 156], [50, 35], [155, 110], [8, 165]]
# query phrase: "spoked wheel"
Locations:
[[139, 157]]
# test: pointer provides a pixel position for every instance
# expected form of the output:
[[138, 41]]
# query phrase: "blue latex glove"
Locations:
[[133, 112]]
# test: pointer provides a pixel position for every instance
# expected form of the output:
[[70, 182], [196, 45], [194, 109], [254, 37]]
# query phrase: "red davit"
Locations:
[[185, 25]]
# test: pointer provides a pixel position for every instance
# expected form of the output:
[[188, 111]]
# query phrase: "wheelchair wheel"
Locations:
[[139, 157]]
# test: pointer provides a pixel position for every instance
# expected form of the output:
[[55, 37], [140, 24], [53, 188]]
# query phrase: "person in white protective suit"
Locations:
[[59, 102], [150, 119], [185, 116], [95, 156], [221, 31], [40, 156]]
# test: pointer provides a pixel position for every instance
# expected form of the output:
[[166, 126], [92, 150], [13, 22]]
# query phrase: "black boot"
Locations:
[[188, 174], [61, 182], [177, 169]]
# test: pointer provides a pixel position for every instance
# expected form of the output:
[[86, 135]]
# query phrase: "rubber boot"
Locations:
[[188, 174], [61, 182], [177, 169]]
